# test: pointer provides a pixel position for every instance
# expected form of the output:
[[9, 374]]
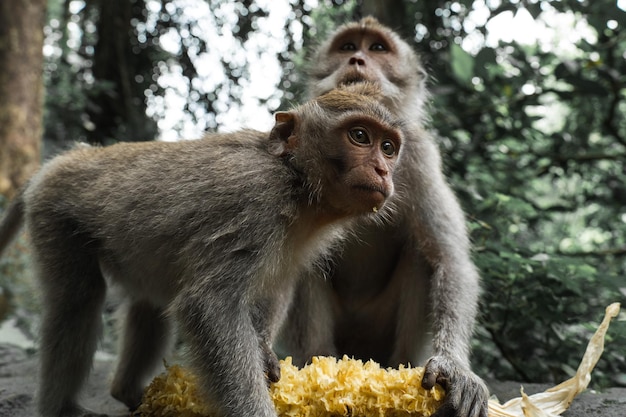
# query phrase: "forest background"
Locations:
[[528, 103]]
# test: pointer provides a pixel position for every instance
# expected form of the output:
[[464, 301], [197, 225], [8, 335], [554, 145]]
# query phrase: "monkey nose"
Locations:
[[357, 60], [381, 171]]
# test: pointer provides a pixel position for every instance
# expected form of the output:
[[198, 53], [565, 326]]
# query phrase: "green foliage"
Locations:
[[538, 308], [462, 64]]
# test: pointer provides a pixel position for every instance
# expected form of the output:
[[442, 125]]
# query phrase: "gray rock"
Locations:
[[18, 376]]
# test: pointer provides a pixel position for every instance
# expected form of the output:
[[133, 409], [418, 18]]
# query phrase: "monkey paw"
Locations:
[[466, 393]]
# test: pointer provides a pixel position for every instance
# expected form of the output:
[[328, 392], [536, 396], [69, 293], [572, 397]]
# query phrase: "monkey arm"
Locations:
[[438, 224], [438, 235], [268, 314]]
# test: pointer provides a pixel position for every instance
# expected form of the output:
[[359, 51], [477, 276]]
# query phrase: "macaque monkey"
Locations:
[[406, 289], [212, 233]]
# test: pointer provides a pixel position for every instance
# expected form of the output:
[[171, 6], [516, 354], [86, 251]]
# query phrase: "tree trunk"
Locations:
[[119, 111], [21, 90], [392, 13]]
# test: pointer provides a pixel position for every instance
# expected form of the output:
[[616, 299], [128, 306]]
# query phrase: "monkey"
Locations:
[[208, 236], [403, 291]]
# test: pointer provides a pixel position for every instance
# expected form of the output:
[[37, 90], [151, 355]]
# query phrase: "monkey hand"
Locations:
[[466, 393]]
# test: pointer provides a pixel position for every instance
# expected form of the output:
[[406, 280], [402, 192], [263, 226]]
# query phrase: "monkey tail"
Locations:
[[12, 220]]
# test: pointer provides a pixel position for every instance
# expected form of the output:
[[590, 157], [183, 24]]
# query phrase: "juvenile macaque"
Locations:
[[405, 289], [212, 233]]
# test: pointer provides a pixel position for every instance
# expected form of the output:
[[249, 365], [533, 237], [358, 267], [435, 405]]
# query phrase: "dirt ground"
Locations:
[[18, 382]]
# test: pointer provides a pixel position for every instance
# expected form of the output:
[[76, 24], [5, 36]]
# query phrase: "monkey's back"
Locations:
[[162, 208]]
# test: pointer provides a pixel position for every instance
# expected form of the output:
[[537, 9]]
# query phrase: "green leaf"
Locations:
[[462, 64], [485, 61]]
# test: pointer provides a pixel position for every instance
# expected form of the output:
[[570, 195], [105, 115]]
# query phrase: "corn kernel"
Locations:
[[327, 387]]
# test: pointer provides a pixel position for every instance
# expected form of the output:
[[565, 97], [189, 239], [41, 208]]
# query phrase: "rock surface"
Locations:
[[18, 376], [18, 371], [608, 403]]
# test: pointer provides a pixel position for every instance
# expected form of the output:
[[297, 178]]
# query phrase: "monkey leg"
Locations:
[[73, 296], [144, 341], [268, 315]]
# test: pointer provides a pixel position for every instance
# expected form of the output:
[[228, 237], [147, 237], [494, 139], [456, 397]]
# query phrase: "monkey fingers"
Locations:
[[466, 393]]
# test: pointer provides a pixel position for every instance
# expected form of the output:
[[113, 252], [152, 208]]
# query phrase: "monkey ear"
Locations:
[[282, 137]]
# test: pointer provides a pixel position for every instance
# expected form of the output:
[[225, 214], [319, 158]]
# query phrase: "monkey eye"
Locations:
[[348, 46], [388, 148], [359, 136], [378, 47]]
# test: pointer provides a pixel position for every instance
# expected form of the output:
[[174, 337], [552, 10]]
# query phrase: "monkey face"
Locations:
[[369, 51], [358, 54], [345, 144], [362, 56], [362, 167]]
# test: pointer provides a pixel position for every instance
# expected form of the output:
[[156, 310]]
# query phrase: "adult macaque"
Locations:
[[212, 232], [406, 288]]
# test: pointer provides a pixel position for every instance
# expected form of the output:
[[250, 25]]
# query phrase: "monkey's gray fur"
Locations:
[[403, 290], [211, 232]]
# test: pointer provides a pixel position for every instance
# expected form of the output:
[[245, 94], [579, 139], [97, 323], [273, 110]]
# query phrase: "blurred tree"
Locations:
[[99, 65], [21, 111], [121, 61], [21, 90]]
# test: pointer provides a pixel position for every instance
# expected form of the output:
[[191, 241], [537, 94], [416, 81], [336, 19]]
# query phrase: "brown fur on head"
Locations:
[[351, 97]]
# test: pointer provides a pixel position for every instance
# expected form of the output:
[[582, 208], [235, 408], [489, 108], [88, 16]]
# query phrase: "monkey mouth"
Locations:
[[353, 77], [368, 196], [353, 80], [372, 190]]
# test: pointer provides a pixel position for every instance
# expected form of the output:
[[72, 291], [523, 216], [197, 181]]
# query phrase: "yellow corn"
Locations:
[[327, 387]]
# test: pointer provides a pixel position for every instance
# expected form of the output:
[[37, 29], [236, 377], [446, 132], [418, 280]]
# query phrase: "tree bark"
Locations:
[[392, 13], [119, 111], [21, 90]]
